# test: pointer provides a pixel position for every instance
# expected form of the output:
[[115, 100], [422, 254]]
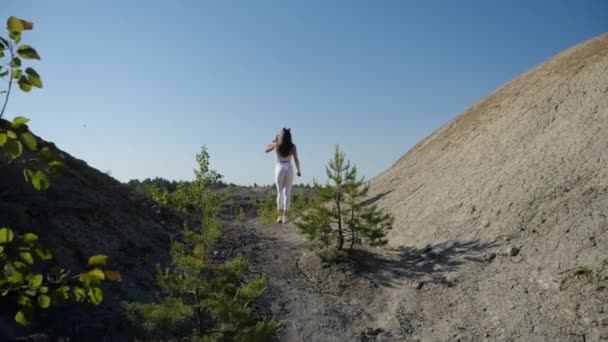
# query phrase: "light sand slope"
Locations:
[[525, 167]]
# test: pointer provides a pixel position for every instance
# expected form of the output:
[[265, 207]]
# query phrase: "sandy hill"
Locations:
[[523, 173]]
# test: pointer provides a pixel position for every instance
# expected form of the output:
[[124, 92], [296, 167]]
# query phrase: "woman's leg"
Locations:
[[288, 180], [279, 178], [279, 183]]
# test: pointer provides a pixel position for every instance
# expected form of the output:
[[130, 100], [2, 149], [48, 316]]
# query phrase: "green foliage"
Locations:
[[25, 273], [13, 52], [341, 216], [211, 298], [21, 259], [160, 183], [15, 136], [193, 198], [332, 254]]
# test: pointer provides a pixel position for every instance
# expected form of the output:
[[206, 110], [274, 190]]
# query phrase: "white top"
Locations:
[[282, 159]]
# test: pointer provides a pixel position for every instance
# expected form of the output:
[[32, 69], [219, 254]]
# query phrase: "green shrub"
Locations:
[[340, 216], [201, 298], [212, 299]]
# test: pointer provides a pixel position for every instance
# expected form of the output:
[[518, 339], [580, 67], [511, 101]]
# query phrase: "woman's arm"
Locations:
[[273, 145], [295, 158], [270, 147]]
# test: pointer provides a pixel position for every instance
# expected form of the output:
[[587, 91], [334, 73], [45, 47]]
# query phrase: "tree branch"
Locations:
[[10, 80]]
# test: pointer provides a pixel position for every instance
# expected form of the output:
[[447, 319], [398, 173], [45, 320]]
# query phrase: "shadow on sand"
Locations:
[[431, 264]]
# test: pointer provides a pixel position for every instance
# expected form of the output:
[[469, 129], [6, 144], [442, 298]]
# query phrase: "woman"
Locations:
[[283, 171]]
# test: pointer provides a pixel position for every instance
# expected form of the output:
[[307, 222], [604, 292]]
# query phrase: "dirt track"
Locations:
[[376, 297]]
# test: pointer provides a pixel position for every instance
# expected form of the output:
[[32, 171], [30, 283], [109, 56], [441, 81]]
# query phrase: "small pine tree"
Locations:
[[340, 215], [210, 299]]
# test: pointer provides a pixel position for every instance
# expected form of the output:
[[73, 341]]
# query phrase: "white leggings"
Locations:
[[283, 177]]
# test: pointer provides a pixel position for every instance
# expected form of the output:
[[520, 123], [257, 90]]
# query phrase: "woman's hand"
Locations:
[[299, 173]]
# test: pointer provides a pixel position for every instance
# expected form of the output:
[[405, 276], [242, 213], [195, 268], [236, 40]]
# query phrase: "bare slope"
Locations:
[[525, 167]]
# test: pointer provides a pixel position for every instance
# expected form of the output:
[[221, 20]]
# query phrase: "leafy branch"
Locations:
[[22, 255]]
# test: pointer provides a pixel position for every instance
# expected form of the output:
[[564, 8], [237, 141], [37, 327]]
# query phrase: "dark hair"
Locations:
[[284, 144]]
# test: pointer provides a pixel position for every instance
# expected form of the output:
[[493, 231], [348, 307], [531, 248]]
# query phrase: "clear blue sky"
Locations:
[[136, 87]]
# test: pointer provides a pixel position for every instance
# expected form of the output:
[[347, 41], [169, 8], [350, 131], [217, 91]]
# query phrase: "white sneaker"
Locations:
[[279, 219], [284, 219]]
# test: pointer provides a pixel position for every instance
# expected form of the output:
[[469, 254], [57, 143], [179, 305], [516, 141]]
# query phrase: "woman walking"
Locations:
[[283, 171]]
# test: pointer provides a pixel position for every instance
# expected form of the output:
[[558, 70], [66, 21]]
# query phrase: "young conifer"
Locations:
[[341, 217]]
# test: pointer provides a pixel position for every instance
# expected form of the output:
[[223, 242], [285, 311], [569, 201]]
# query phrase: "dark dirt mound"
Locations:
[[86, 212]]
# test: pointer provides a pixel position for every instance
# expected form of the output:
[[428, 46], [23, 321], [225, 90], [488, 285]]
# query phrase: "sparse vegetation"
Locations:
[[25, 273], [193, 198], [596, 275], [341, 217], [203, 298]]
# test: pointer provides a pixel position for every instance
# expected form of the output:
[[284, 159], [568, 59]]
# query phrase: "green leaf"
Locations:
[[40, 181], [13, 149], [95, 295], [34, 77], [36, 280], [19, 121], [46, 154], [79, 294], [11, 134], [6, 235], [16, 73], [43, 253], [15, 63], [14, 24], [98, 260], [20, 265], [4, 73], [16, 36], [29, 141], [1, 249], [27, 52], [44, 301], [24, 84], [16, 278], [95, 275], [22, 317], [30, 237], [3, 139], [24, 301], [27, 257], [43, 289], [55, 167]]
